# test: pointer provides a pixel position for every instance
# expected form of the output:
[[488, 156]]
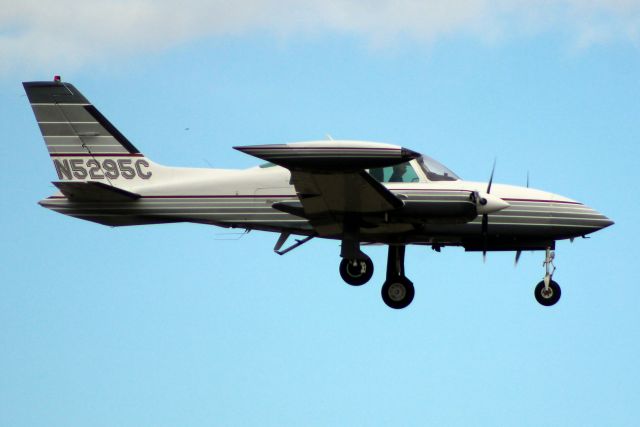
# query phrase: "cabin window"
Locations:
[[403, 172], [436, 171]]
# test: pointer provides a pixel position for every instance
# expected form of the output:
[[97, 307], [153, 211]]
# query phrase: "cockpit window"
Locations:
[[435, 170], [403, 172], [267, 165]]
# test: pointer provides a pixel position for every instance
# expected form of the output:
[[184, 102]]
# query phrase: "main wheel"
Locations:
[[398, 292], [356, 272], [548, 296]]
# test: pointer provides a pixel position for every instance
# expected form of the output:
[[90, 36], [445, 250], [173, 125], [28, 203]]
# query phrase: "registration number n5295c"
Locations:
[[100, 169]]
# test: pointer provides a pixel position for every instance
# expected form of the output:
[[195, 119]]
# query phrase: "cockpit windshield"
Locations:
[[435, 170]]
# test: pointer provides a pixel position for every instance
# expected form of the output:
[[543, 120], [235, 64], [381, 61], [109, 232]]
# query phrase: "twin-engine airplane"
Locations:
[[356, 192]]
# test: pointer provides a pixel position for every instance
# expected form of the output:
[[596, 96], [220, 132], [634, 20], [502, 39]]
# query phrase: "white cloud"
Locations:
[[72, 32]]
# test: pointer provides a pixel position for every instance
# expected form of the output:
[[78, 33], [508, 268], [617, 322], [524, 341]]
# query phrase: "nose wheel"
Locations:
[[547, 295], [548, 292], [356, 272]]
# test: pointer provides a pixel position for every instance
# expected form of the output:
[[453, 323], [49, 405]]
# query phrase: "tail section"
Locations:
[[82, 143], [102, 176]]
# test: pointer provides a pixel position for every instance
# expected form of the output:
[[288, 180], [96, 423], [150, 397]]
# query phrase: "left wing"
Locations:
[[342, 192], [329, 198], [330, 180]]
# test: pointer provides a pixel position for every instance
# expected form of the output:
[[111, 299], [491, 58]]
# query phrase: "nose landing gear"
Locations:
[[548, 292]]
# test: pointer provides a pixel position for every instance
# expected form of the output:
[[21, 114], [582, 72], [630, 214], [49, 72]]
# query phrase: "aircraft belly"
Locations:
[[396, 228]]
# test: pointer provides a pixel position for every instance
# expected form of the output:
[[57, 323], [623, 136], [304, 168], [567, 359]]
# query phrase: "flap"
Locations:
[[92, 191]]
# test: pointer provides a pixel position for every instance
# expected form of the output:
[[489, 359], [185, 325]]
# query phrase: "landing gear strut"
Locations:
[[548, 292], [397, 290], [356, 268]]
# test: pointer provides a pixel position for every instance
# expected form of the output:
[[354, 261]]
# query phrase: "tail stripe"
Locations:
[[111, 129]]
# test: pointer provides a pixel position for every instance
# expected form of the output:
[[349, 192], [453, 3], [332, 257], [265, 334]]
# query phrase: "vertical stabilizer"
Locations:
[[82, 143]]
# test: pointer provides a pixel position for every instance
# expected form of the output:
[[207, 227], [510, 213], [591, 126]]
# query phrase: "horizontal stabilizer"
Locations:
[[92, 191]]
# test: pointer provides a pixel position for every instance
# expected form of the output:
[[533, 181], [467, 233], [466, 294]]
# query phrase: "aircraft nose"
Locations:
[[577, 220], [606, 222], [596, 219]]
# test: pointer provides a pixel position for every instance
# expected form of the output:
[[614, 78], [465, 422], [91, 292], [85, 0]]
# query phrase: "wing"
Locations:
[[329, 198], [330, 180], [331, 155]]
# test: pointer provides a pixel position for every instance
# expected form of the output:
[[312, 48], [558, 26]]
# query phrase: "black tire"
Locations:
[[398, 292], [550, 298], [356, 274]]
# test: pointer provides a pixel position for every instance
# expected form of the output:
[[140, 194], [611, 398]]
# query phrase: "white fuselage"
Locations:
[[244, 199]]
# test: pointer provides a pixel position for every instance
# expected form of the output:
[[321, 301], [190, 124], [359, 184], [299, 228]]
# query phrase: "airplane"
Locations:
[[359, 193]]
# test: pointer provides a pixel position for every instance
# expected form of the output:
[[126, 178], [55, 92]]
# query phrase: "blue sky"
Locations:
[[189, 325]]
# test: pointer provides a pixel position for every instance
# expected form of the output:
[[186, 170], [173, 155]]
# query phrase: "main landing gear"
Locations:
[[548, 292], [397, 290], [356, 272]]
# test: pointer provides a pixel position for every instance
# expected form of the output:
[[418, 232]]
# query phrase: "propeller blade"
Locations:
[[485, 228], [527, 179], [518, 253], [485, 217], [493, 169]]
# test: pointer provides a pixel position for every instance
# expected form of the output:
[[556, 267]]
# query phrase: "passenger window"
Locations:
[[403, 172]]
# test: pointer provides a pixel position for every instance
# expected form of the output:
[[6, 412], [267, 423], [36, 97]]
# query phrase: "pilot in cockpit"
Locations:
[[398, 173]]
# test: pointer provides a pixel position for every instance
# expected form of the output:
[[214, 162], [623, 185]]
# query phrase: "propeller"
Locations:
[[487, 203], [485, 217], [493, 169]]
